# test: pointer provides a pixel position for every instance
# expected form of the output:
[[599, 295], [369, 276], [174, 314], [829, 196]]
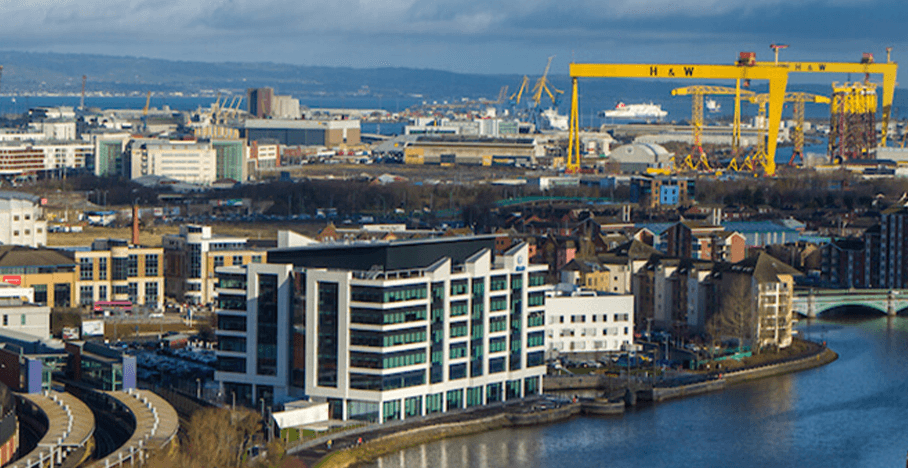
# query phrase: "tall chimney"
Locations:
[[135, 224]]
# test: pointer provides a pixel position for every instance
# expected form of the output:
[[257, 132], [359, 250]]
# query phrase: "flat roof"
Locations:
[[390, 255]]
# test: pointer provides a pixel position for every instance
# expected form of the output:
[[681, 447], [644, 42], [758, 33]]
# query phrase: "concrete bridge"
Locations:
[[813, 302]]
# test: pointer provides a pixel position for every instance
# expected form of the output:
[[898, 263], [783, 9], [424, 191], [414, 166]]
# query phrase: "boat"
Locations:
[[713, 106], [635, 112], [555, 120]]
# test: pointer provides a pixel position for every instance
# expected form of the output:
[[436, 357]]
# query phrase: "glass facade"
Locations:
[[327, 334], [266, 340]]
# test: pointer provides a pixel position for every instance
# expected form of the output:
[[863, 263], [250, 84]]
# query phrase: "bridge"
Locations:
[[813, 302]]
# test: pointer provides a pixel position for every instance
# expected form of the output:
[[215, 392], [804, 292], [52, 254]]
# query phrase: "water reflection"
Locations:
[[849, 413]]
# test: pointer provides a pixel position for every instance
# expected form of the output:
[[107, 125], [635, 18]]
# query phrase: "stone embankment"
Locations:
[[394, 442]]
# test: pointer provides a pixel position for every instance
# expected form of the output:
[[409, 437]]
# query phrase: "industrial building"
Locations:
[[638, 157], [328, 133], [264, 104], [471, 150]]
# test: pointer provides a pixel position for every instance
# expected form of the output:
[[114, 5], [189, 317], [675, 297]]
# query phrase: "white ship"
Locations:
[[713, 106], [555, 120], [635, 112]]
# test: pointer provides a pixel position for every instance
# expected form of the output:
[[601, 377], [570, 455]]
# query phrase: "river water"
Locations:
[[853, 412]]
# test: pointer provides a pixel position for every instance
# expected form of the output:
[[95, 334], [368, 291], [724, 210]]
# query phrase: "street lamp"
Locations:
[[198, 388]]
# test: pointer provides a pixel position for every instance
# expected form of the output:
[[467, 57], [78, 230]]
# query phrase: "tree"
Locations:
[[216, 438], [734, 317]]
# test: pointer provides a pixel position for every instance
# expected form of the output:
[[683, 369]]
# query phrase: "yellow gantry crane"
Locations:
[[777, 77], [866, 66], [542, 85], [697, 93], [797, 137], [519, 93]]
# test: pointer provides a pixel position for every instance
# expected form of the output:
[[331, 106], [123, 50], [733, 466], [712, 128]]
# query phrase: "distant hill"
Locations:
[[25, 72]]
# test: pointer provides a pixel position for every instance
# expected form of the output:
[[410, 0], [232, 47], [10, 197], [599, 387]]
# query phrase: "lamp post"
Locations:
[[198, 388]]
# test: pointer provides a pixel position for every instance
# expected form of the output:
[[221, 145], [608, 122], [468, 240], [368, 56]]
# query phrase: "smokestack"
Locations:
[[135, 224]]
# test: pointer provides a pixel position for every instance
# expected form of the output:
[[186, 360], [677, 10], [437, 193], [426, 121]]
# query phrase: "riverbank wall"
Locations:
[[394, 442], [391, 443]]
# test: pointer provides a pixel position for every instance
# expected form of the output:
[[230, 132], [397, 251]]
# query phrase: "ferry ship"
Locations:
[[635, 112]]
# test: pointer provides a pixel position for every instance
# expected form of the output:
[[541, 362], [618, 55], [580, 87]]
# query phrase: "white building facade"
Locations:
[[20, 220], [398, 344], [585, 322]]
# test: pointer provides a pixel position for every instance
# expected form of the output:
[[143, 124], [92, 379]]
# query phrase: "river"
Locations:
[[853, 412]]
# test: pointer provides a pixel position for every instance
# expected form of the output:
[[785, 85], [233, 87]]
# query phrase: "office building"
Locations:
[[400, 329], [186, 161], [113, 270], [254, 333]]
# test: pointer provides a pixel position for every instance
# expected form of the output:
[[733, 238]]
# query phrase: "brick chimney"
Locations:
[[135, 224]]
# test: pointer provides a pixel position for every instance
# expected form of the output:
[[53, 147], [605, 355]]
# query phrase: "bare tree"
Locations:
[[215, 438], [735, 316]]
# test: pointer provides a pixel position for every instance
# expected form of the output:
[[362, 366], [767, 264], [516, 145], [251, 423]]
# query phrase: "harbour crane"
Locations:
[[502, 95], [542, 85], [519, 93], [145, 112], [697, 94]]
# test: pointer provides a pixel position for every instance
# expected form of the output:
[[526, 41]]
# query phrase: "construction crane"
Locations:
[[697, 94], [145, 112], [520, 90], [777, 77], [542, 85]]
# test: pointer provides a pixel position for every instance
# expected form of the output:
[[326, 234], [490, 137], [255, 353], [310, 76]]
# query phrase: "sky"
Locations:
[[472, 36]]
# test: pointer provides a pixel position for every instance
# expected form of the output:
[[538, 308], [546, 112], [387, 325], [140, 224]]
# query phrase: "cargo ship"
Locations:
[[635, 112]]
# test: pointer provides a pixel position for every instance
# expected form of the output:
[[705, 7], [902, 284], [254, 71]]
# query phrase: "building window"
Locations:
[[218, 261], [151, 294], [85, 269], [102, 292], [102, 268], [5, 320], [256, 259], [267, 325], [327, 338], [132, 266], [61, 295], [151, 265], [118, 265], [40, 293], [85, 295], [132, 290], [237, 260]]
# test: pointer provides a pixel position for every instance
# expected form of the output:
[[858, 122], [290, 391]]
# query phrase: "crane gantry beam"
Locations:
[[888, 70], [777, 77]]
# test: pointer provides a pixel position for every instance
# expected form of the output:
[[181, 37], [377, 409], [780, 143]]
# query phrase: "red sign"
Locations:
[[13, 279]]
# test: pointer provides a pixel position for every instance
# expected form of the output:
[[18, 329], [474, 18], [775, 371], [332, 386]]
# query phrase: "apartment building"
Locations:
[[21, 220], [585, 323], [114, 270], [191, 257]]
